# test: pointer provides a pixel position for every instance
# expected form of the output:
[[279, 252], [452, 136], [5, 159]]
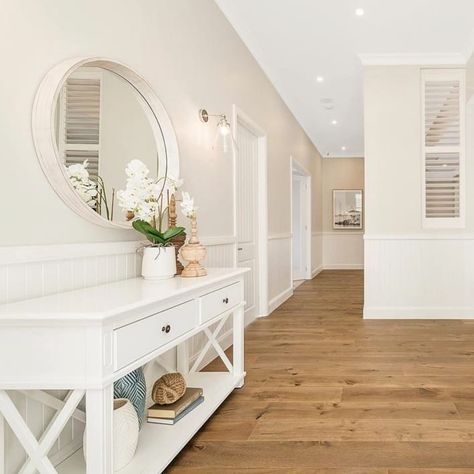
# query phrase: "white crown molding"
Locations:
[[413, 59]]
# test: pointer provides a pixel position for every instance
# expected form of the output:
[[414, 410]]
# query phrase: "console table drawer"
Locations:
[[218, 301], [144, 336]]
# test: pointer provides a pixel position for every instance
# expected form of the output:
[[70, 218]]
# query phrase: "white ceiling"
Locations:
[[297, 40]]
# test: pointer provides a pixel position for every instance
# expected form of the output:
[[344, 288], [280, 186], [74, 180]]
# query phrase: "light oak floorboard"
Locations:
[[329, 393]]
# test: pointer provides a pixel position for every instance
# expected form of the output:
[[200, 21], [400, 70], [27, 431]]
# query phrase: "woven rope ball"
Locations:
[[168, 389]]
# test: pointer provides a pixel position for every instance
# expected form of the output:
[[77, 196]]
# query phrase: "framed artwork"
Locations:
[[347, 209]]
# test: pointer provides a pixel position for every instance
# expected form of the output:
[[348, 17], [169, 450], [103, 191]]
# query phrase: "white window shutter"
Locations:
[[79, 121], [443, 122]]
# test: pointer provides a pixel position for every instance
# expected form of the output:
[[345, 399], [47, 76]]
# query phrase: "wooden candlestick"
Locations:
[[179, 240], [193, 252]]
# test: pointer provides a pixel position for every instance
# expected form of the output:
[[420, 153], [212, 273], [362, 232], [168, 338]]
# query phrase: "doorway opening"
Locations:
[[250, 211], [300, 223]]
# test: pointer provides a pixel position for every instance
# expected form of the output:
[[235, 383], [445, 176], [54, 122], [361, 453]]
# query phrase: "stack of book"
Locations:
[[171, 414]]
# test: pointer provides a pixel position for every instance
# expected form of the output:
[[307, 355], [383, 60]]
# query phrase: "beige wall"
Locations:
[[191, 56], [392, 150], [339, 173], [341, 248], [393, 134], [410, 272]]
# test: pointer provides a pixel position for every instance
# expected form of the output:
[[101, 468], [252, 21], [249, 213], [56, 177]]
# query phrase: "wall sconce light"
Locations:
[[224, 140]]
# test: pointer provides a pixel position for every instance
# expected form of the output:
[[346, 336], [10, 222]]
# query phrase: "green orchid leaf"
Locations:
[[173, 232], [149, 232], [155, 236]]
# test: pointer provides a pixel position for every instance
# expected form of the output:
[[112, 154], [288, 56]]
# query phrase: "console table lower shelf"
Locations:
[[158, 445]]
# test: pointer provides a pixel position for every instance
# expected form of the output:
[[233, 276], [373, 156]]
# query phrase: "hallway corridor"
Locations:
[[327, 392]]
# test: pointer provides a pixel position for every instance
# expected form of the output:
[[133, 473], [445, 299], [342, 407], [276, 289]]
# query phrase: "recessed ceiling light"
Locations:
[[343, 148], [359, 12], [334, 122], [319, 79]]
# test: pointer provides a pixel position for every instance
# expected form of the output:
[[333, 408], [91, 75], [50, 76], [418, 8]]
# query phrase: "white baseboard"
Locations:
[[343, 266], [336, 266], [419, 313], [279, 299], [316, 271]]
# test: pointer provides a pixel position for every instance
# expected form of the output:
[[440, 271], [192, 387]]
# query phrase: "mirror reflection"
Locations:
[[102, 123]]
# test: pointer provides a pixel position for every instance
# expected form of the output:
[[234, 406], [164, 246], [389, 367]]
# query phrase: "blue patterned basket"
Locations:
[[133, 387]]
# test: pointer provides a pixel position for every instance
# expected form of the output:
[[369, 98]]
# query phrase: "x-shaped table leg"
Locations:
[[212, 341], [38, 451]]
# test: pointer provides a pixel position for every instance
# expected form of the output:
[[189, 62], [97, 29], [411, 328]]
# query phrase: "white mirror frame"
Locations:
[[44, 136]]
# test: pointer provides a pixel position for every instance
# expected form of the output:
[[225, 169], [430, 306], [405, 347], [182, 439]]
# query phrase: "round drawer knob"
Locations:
[[166, 329], [225, 300]]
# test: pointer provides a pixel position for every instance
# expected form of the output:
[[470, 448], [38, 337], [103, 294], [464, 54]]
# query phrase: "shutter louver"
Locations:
[[443, 126], [442, 113], [82, 111], [442, 184], [80, 121]]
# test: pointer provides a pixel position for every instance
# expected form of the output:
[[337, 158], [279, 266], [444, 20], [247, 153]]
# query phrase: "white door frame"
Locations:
[[239, 115], [306, 175]]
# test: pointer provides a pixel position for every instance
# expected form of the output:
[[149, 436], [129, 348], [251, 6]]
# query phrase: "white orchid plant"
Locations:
[[187, 206], [91, 191], [80, 179], [146, 202]]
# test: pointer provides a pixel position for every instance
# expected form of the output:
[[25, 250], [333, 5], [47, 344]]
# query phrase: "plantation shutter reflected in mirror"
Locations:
[[79, 121]]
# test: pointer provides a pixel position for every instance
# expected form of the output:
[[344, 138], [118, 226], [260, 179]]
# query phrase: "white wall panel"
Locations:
[[280, 285], [32, 271], [419, 277], [316, 253], [343, 250]]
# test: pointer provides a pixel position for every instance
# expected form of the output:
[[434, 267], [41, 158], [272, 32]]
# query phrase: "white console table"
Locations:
[[84, 340]]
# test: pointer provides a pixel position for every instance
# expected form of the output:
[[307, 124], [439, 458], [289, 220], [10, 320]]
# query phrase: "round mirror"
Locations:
[[92, 117]]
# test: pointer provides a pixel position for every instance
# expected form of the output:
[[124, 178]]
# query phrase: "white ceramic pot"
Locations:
[[159, 263], [125, 433]]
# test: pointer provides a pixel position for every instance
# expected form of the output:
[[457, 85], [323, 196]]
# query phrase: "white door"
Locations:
[[300, 225], [297, 222], [246, 216]]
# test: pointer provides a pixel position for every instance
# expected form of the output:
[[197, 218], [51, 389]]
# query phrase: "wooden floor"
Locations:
[[327, 392]]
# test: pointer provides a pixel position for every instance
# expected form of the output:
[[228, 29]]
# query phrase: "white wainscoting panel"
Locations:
[[28, 272], [420, 276], [343, 250], [280, 286], [316, 253]]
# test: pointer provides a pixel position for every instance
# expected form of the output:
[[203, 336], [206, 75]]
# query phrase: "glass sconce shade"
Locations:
[[224, 140]]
